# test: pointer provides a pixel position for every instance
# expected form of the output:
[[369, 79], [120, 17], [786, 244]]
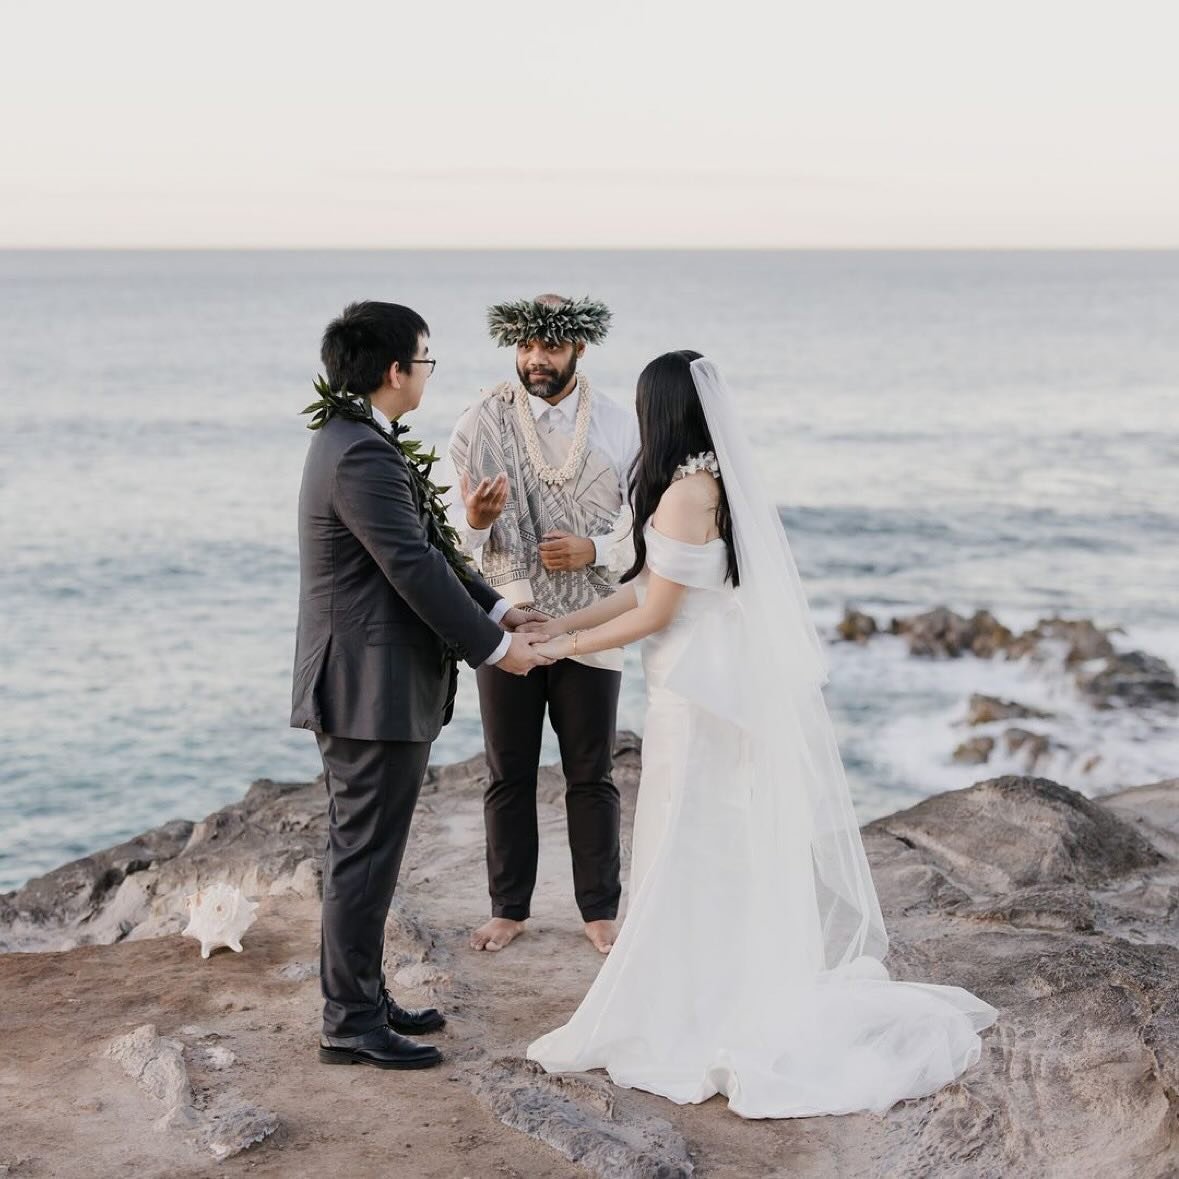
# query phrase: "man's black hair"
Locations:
[[361, 344]]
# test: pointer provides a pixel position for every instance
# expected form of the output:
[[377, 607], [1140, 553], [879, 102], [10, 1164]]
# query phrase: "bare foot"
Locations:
[[602, 934], [497, 933]]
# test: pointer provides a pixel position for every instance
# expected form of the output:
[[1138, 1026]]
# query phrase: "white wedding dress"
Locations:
[[749, 960]]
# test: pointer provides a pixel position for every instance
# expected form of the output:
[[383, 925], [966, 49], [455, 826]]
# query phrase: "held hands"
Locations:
[[554, 640], [524, 654], [559, 646], [546, 628], [523, 618], [485, 502], [563, 550], [547, 640]]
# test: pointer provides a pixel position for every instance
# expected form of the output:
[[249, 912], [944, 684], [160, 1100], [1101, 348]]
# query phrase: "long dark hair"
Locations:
[[672, 429]]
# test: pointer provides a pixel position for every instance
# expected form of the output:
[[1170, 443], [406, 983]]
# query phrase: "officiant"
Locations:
[[543, 463]]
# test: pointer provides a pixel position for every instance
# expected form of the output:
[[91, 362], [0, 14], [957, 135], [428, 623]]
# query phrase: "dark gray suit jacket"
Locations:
[[379, 606]]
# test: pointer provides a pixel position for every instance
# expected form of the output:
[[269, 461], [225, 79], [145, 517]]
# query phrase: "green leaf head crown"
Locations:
[[549, 318]]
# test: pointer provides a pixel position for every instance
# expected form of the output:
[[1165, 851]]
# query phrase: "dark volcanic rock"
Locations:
[[1032, 747], [1058, 906], [74, 893], [1081, 640], [1153, 809], [1010, 833], [982, 710], [270, 841], [975, 752], [941, 633], [988, 635], [1131, 679], [579, 1116], [856, 627], [1134, 680]]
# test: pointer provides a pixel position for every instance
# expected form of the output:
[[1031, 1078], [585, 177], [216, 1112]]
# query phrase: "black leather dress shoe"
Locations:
[[410, 1022], [381, 1048]]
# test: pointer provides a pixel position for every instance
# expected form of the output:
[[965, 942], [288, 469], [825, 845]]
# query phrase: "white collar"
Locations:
[[567, 407], [381, 420]]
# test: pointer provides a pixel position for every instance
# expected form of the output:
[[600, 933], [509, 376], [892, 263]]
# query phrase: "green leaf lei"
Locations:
[[527, 319], [439, 531]]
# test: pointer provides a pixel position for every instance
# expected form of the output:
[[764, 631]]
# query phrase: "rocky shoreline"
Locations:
[[1074, 662], [1060, 910], [1106, 677]]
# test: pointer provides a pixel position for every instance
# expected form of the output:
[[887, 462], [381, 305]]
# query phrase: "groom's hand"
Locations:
[[485, 502], [563, 550], [519, 616], [521, 657]]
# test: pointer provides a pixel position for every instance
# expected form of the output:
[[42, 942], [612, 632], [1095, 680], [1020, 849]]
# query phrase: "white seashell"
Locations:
[[218, 916]]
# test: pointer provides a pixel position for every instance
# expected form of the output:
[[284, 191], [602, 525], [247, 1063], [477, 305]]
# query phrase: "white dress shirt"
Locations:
[[501, 607]]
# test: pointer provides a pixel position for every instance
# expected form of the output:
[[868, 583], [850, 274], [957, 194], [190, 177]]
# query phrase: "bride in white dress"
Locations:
[[749, 963]]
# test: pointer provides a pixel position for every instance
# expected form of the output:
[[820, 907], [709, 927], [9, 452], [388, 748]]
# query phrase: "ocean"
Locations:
[[974, 429]]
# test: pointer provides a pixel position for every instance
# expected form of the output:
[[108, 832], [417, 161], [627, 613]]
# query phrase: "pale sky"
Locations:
[[878, 123]]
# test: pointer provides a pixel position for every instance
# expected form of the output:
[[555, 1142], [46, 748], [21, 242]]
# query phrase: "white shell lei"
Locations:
[[704, 461], [218, 916], [573, 460]]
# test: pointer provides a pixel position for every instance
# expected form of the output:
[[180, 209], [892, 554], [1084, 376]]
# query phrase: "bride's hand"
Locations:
[[539, 627], [551, 628], [555, 647], [522, 618]]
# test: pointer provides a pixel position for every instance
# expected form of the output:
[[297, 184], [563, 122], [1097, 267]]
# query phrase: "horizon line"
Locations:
[[602, 249]]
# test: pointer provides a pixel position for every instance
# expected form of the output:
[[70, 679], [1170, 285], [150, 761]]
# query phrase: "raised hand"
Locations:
[[563, 550], [523, 654], [486, 501]]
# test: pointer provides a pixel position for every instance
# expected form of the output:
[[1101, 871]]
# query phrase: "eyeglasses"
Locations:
[[430, 360]]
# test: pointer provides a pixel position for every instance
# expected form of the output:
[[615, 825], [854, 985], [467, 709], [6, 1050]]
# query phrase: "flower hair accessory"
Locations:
[[554, 322], [704, 461]]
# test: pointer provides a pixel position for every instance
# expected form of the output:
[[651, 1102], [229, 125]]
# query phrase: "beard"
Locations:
[[547, 382]]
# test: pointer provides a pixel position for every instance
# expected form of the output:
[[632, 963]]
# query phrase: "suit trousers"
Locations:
[[372, 788], [582, 704]]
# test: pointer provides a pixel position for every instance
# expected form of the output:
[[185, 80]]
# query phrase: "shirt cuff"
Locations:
[[474, 538], [499, 652], [497, 611], [601, 549]]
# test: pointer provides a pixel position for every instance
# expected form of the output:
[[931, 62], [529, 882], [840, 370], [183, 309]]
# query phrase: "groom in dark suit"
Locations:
[[382, 613]]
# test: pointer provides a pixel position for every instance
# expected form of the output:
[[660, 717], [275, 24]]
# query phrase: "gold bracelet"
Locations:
[[574, 633]]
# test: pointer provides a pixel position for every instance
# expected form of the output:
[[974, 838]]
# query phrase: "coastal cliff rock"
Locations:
[[1060, 910], [269, 843]]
